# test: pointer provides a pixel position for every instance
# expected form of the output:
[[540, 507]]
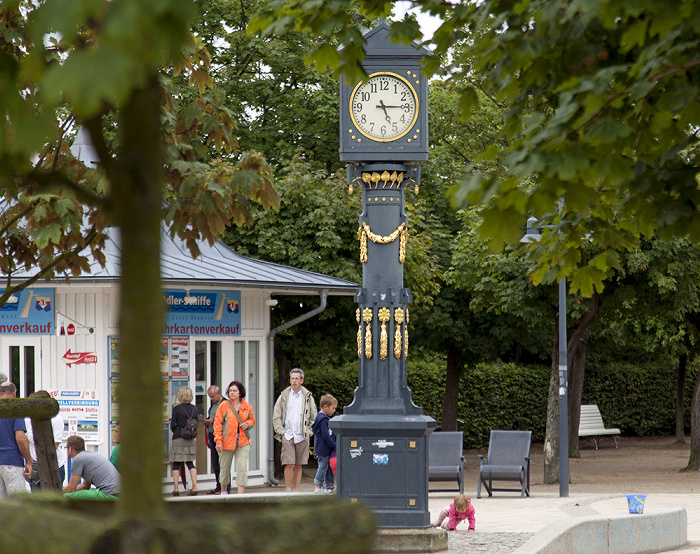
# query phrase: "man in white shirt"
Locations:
[[292, 418]]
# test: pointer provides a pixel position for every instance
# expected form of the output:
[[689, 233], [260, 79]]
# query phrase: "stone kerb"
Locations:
[[657, 531]]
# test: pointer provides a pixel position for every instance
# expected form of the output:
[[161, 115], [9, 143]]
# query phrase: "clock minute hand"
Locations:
[[383, 107]]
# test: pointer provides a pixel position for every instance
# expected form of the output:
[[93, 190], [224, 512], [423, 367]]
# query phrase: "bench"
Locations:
[[446, 458], [508, 459], [591, 424]]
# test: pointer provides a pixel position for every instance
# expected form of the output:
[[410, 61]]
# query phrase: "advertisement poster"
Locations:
[[180, 357], [80, 410], [114, 356], [164, 356], [195, 312], [28, 312]]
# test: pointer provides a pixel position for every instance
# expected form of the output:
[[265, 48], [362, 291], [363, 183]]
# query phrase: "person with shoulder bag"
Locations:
[[183, 451], [232, 423]]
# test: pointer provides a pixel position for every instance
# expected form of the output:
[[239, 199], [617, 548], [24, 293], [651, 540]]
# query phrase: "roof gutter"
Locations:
[[271, 365]]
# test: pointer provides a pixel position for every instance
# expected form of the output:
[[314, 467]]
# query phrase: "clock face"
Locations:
[[385, 107]]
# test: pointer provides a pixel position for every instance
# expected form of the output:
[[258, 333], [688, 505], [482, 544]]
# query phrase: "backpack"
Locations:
[[189, 431]]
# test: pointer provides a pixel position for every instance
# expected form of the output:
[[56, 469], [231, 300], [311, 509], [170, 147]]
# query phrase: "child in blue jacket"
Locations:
[[324, 445]]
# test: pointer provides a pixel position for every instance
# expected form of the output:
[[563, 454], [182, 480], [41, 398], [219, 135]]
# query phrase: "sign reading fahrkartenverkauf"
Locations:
[[202, 312]]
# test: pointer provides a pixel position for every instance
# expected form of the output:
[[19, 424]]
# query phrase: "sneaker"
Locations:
[[223, 493], [320, 490], [329, 490]]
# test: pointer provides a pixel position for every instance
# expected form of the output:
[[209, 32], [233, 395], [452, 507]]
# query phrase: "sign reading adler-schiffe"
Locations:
[[386, 117]]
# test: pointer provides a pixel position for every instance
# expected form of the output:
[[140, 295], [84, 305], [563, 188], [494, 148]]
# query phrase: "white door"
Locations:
[[21, 361]]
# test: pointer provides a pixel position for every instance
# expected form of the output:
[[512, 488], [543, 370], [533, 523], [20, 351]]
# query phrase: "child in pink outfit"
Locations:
[[452, 515]]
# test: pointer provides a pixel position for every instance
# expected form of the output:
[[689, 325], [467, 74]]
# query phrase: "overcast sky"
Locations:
[[428, 24]]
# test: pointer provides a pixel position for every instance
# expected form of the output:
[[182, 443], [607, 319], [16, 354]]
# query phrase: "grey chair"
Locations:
[[445, 457], [508, 459]]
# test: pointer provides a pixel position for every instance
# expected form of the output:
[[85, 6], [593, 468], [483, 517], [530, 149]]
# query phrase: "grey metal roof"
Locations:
[[216, 265]]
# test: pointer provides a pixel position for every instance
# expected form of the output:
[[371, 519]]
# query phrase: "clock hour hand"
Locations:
[[383, 107]]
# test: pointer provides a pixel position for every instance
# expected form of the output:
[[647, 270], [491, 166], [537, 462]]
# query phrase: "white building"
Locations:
[[63, 337]]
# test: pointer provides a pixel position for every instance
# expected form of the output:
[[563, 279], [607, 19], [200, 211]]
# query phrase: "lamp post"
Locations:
[[533, 235]]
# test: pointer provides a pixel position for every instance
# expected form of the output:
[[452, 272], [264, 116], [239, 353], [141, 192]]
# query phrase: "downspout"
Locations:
[[271, 367]]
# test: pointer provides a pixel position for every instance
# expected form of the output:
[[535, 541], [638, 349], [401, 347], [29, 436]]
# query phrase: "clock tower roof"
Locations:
[[378, 44]]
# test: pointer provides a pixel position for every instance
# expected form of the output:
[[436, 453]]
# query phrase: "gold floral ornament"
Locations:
[[405, 340], [372, 180], [398, 320], [384, 315], [359, 333], [367, 316], [364, 232]]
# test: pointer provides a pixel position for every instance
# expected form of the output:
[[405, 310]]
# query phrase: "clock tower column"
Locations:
[[382, 443]]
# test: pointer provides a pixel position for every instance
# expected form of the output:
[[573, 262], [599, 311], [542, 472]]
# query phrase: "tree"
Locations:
[[101, 64], [603, 108]]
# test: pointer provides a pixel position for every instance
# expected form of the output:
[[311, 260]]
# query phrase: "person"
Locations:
[[93, 469], [57, 425], [183, 451], [117, 450], [293, 415], [324, 445], [215, 397], [232, 425], [452, 515], [15, 457]]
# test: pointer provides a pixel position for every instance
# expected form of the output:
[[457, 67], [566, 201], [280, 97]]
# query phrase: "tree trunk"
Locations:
[[576, 360], [680, 397], [451, 403], [551, 439], [694, 460], [136, 185], [577, 368]]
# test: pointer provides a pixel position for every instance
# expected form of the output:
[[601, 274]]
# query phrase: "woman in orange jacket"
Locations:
[[232, 423]]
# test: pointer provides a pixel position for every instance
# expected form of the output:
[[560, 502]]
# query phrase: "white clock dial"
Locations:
[[385, 107]]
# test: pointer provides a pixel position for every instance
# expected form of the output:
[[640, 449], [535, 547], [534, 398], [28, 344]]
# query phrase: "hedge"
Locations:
[[639, 399]]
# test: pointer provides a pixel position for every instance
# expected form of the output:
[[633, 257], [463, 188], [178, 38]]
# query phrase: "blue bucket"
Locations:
[[635, 503]]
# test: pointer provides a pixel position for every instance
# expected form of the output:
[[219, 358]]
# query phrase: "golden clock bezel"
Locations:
[[415, 115]]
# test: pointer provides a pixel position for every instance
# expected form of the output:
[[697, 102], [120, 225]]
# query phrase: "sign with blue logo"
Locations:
[[197, 312], [28, 312]]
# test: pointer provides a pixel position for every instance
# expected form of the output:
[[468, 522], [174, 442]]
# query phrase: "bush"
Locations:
[[639, 399]]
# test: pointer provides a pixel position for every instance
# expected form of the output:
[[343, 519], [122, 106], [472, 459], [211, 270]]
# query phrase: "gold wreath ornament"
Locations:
[[398, 320], [367, 317], [384, 315]]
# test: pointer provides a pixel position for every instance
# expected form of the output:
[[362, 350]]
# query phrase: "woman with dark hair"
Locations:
[[183, 451], [232, 423]]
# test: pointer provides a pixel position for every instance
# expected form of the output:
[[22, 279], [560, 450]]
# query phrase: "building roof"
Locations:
[[216, 265]]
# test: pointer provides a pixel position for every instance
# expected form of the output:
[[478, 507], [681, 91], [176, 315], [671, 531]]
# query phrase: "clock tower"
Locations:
[[382, 436]]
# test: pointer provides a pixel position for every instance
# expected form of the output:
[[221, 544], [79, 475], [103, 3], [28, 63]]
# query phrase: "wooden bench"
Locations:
[[591, 424], [446, 458], [508, 460]]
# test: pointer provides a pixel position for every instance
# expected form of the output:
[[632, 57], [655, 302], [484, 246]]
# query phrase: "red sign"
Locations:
[[70, 329], [79, 357]]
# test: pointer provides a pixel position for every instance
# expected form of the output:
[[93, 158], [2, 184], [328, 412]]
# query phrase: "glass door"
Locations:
[[21, 361], [207, 372]]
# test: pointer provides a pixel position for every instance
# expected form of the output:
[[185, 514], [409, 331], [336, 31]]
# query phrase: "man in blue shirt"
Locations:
[[15, 458]]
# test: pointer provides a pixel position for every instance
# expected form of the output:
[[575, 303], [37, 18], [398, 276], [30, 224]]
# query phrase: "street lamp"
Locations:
[[533, 235]]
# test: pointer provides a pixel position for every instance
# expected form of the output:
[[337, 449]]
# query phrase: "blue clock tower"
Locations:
[[382, 436]]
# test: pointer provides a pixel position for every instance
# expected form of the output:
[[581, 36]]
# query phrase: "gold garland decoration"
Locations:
[[359, 333], [364, 232], [384, 315], [367, 316], [398, 319]]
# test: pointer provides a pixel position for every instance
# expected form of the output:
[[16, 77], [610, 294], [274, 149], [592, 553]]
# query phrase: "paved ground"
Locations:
[[600, 479]]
